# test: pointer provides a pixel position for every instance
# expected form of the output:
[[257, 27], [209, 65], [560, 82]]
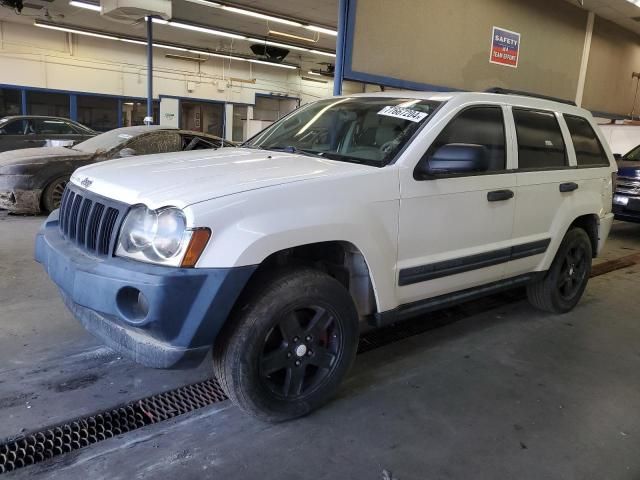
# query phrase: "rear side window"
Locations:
[[52, 127], [589, 151], [478, 126], [16, 127], [540, 143]]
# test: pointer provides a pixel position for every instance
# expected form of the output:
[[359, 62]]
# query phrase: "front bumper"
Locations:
[[20, 201], [627, 214], [161, 317]]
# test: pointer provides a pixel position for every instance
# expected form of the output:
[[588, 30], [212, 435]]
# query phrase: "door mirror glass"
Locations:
[[127, 152], [456, 158]]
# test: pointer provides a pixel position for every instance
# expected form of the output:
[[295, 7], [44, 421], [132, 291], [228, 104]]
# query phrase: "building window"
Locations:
[[134, 111], [202, 117], [48, 104], [9, 102], [239, 120], [98, 113]]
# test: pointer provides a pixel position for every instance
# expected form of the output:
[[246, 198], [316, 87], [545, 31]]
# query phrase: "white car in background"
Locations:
[[355, 210]]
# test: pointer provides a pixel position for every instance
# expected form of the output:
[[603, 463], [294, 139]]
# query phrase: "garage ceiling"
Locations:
[[315, 12], [621, 12]]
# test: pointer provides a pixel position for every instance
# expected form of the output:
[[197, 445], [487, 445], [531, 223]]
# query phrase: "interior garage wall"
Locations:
[[614, 56], [35, 57], [447, 43]]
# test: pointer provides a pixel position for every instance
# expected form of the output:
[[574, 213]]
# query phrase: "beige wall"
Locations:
[[447, 43], [35, 57], [614, 56]]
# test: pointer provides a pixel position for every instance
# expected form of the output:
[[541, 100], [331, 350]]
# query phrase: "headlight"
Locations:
[[157, 236]]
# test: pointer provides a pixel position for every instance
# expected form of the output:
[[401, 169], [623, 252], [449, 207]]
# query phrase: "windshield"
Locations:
[[368, 130], [105, 141], [633, 155]]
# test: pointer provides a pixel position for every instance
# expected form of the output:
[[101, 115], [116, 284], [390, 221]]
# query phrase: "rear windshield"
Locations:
[[369, 130]]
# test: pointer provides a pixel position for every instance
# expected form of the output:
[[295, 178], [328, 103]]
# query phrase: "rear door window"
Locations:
[[52, 127], [540, 143], [589, 151]]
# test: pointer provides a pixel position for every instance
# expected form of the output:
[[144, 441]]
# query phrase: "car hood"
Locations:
[[183, 178], [629, 168], [30, 156]]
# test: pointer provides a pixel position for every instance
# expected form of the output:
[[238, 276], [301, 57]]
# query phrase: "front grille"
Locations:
[[89, 220], [628, 186]]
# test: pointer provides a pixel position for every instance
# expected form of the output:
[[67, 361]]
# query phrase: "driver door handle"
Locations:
[[500, 195], [568, 187]]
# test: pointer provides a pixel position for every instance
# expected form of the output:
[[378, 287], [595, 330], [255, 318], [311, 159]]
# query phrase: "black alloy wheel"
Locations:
[[301, 352]]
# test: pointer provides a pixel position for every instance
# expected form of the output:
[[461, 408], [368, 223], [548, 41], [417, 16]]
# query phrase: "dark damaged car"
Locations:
[[32, 180]]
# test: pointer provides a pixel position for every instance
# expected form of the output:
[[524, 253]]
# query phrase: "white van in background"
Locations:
[[621, 137]]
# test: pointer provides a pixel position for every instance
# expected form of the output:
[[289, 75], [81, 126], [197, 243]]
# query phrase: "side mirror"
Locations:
[[127, 152], [454, 158]]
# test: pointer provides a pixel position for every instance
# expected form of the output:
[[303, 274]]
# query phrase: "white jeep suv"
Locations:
[[356, 210]]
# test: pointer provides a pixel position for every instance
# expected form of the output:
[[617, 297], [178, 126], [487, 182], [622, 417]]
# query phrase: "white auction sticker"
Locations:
[[404, 113]]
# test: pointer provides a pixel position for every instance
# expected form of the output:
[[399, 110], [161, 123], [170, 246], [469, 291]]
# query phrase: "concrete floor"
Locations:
[[509, 393]]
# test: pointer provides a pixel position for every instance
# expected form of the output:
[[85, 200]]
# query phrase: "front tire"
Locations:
[[285, 350], [52, 194], [563, 285]]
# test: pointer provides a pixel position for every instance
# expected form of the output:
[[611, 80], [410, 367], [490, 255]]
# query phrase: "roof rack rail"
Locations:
[[506, 91]]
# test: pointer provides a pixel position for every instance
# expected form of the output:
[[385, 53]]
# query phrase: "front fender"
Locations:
[[250, 226]]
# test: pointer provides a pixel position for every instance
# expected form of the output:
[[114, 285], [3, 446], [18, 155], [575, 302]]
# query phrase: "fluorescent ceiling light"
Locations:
[[635, 2], [79, 31], [264, 16], [88, 6], [210, 31], [289, 35], [321, 30], [320, 52], [128, 40], [206, 2], [74, 30]]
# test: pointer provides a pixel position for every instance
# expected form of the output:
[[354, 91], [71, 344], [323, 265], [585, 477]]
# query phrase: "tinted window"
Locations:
[[540, 143], [586, 144], [477, 126], [16, 127], [634, 154], [52, 127]]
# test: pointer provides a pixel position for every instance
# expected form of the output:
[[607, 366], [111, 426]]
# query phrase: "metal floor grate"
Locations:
[[40, 446], [48, 443]]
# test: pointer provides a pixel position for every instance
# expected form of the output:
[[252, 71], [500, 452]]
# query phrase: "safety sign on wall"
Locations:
[[505, 47]]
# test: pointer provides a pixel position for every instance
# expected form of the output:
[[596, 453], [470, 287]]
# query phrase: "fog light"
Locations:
[[132, 303]]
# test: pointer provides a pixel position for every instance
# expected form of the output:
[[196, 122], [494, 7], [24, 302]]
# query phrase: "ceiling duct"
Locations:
[[131, 11], [269, 52]]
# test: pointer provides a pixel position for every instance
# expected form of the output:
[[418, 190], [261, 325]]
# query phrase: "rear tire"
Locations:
[[285, 350], [52, 194], [563, 285]]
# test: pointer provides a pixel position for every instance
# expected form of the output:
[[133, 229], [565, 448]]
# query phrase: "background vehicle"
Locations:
[[360, 209], [621, 137], [626, 200], [35, 131], [32, 180]]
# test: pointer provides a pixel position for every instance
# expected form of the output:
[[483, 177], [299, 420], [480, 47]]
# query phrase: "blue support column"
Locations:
[[23, 102], [119, 112], [73, 107], [341, 42], [150, 68]]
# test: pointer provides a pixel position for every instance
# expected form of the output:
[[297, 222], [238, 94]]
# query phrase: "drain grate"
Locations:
[[39, 446]]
